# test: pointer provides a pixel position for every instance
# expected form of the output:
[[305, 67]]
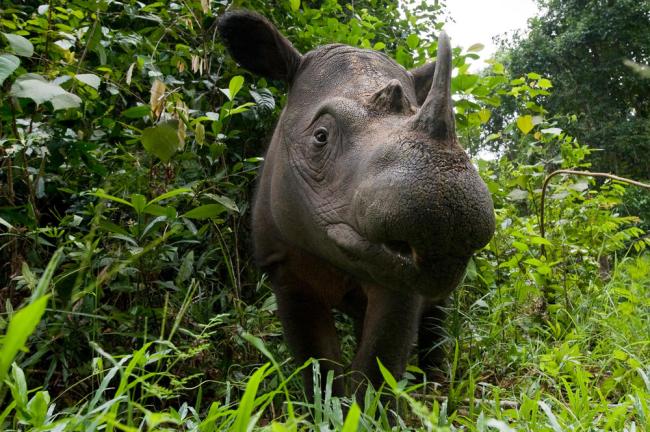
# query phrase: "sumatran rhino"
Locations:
[[366, 203]]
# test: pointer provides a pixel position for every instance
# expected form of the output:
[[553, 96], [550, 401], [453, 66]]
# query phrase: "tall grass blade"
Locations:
[[247, 402], [21, 326]]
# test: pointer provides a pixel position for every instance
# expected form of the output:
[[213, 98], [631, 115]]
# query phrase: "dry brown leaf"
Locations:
[[157, 100]]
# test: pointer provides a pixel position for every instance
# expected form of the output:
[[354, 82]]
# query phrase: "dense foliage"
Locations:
[[129, 146], [585, 47]]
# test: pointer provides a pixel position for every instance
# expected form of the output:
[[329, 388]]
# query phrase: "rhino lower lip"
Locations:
[[398, 256], [355, 246]]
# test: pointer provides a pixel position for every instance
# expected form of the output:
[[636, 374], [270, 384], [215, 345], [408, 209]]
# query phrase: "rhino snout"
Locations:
[[430, 218]]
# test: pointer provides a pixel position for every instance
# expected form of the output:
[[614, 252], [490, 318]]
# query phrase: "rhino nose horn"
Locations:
[[436, 116]]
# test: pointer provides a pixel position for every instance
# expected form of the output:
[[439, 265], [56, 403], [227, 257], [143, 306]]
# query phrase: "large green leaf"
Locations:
[[413, 41], [89, 79], [19, 45], [8, 64], [161, 140], [21, 326], [464, 82], [39, 90]]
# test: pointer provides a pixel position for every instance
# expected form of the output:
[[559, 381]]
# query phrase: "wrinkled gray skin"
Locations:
[[366, 203]]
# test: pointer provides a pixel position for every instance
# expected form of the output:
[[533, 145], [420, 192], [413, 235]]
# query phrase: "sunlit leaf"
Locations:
[[8, 64], [464, 82], [89, 79], [518, 195], [351, 423], [19, 45], [234, 86], [21, 326], [412, 41], [40, 91], [525, 123]]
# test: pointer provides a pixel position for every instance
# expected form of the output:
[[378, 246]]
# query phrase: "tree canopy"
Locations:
[[582, 46]]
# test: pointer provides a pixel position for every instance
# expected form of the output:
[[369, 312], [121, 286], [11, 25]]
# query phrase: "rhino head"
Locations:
[[364, 168]]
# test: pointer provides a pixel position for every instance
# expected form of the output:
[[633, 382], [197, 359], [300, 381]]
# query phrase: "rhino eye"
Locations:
[[320, 136]]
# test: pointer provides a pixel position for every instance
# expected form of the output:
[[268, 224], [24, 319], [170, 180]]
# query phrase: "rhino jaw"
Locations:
[[401, 268]]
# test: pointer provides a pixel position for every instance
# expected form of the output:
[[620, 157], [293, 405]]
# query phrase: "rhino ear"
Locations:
[[258, 46], [423, 78]]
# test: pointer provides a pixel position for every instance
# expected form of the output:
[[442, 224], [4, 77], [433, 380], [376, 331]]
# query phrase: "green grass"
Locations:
[[510, 368]]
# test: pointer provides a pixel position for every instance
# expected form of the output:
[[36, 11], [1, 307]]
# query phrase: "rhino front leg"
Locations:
[[389, 331], [310, 333]]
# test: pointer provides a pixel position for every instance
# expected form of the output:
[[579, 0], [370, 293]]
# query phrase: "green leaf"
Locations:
[[234, 86], [206, 211], [525, 123], [39, 90], [264, 99], [137, 111], [101, 194], [295, 5], [247, 402], [20, 45], [161, 140], [259, 345], [412, 41], [65, 101], [8, 64], [37, 408], [544, 83], [464, 82], [170, 194], [388, 377], [518, 195], [240, 109], [352, 419], [484, 115], [498, 68], [476, 47], [21, 326], [89, 79], [46, 277], [158, 210], [225, 201], [139, 202]]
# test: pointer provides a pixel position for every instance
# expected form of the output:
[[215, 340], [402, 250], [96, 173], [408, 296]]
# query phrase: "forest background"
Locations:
[[129, 146]]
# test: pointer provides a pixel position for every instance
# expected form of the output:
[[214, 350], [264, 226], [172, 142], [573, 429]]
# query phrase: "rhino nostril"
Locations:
[[399, 247], [403, 249]]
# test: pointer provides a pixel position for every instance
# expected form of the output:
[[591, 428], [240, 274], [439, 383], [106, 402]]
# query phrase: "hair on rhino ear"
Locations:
[[258, 46], [423, 78]]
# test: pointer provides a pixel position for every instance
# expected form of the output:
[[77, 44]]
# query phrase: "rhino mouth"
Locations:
[[397, 264]]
